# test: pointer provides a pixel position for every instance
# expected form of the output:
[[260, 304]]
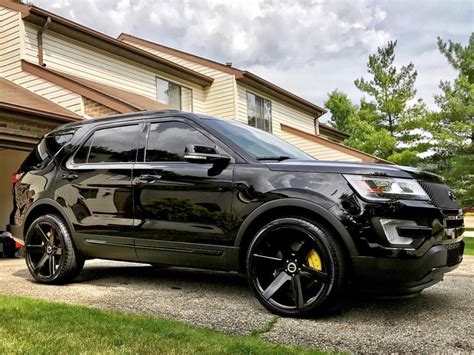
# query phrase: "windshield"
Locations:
[[258, 143]]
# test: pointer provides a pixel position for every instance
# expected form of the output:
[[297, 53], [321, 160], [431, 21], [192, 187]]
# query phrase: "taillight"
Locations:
[[15, 178]]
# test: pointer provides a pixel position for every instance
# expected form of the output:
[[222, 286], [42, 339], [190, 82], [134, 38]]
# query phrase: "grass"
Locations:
[[468, 246], [39, 327]]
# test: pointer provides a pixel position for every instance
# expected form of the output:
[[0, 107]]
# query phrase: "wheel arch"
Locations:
[[42, 207], [291, 207]]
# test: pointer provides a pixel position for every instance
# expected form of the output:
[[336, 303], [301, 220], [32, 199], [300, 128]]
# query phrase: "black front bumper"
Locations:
[[404, 276]]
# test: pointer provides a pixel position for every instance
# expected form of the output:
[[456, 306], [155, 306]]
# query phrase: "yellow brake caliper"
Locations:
[[50, 235], [314, 261]]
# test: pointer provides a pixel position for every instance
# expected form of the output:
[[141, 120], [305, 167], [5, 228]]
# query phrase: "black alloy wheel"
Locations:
[[49, 251], [295, 267]]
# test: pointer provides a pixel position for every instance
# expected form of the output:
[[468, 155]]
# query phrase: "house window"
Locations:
[[259, 112], [177, 96]]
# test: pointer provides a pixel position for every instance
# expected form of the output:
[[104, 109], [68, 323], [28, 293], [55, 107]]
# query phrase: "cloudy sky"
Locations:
[[309, 47]]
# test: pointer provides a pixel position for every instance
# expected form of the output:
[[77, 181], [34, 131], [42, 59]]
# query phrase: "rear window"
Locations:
[[46, 149]]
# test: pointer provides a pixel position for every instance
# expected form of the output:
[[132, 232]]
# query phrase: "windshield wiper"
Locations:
[[274, 157]]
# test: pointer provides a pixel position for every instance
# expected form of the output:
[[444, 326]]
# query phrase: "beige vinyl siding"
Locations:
[[317, 150], [75, 58], [57, 94], [219, 97], [10, 41], [12, 34]]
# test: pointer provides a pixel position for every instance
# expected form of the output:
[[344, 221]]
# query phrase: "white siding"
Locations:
[[316, 150], [219, 97], [10, 46], [12, 35], [72, 57]]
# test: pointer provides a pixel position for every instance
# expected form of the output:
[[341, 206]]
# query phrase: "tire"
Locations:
[[296, 267], [50, 254]]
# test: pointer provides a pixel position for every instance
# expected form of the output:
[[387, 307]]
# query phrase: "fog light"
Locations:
[[389, 227]]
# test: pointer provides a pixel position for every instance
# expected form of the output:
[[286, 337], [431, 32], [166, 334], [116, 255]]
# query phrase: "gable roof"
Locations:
[[181, 54], [245, 77], [38, 16], [120, 100], [15, 98]]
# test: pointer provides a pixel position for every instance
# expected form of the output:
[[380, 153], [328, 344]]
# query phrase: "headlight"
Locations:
[[385, 188]]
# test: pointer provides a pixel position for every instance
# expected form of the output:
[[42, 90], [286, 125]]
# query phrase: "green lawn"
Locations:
[[38, 327], [469, 246]]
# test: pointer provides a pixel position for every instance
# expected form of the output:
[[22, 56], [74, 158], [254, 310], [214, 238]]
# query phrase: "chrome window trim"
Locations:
[[70, 164]]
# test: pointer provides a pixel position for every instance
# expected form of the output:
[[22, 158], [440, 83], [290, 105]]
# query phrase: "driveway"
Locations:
[[439, 320]]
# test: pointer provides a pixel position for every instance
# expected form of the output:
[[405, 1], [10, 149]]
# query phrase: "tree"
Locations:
[[387, 124], [341, 109], [360, 123], [452, 127], [389, 87]]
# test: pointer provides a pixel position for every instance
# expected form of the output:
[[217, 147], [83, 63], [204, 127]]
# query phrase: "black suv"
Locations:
[[175, 188]]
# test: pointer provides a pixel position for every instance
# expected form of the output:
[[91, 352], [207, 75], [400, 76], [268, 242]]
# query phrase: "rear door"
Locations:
[[182, 210], [95, 188]]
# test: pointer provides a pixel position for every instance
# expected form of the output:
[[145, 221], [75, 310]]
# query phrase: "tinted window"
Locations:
[[83, 152], [46, 149], [110, 145], [168, 140]]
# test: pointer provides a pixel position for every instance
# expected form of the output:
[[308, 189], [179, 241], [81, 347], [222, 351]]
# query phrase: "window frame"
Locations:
[[71, 164], [270, 121], [147, 134], [221, 146], [181, 86]]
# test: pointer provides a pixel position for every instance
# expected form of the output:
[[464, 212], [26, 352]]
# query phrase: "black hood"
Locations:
[[421, 175], [322, 166]]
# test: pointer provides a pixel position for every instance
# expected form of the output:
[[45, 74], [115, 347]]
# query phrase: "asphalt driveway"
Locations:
[[441, 319]]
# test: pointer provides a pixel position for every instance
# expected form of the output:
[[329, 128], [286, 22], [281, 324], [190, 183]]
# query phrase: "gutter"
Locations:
[[40, 41]]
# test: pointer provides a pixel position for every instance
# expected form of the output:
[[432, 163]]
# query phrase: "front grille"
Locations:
[[441, 195], [455, 253]]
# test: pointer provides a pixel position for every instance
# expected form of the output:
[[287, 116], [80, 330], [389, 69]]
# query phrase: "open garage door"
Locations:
[[10, 160]]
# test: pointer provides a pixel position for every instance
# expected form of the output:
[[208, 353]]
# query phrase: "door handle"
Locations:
[[69, 176], [146, 179]]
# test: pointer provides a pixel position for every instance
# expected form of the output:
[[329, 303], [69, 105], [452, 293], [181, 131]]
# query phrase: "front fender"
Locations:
[[327, 216]]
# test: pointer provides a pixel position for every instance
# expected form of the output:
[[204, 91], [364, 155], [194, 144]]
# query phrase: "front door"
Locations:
[[182, 209], [96, 190]]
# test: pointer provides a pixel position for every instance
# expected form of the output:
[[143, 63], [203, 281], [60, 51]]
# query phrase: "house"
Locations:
[[53, 70]]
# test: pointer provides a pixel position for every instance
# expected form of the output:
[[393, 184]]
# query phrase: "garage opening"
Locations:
[[10, 160]]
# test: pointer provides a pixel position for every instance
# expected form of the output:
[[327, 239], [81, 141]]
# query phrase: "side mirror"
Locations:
[[203, 154]]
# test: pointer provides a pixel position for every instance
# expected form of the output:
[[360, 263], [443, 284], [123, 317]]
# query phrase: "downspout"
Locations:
[[40, 41], [316, 124]]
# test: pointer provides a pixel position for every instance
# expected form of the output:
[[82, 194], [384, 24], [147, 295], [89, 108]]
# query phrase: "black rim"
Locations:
[[44, 250], [281, 271]]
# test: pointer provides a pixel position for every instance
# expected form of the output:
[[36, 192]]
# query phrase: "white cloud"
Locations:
[[309, 46]]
